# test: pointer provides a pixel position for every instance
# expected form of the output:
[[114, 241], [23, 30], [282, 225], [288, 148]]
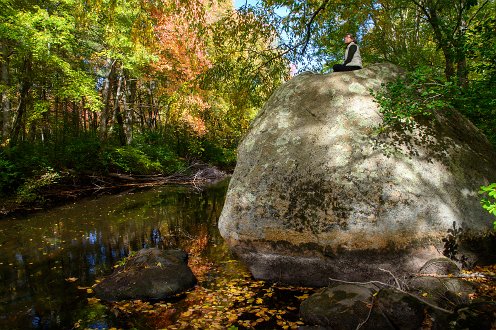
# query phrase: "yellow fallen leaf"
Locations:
[[89, 290], [93, 300], [186, 314], [71, 279]]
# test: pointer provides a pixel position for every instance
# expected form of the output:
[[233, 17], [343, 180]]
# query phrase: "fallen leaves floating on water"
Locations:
[[226, 297], [232, 300]]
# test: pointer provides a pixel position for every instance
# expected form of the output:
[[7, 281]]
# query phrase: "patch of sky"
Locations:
[[240, 3], [319, 62], [243, 3], [281, 11]]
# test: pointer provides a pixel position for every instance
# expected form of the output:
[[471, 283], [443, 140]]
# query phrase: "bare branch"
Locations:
[[477, 12], [398, 285], [309, 25], [361, 324]]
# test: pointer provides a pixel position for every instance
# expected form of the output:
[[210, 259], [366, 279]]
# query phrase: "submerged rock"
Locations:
[[151, 274], [478, 315], [353, 306], [444, 292], [440, 266], [316, 193], [401, 310], [343, 306]]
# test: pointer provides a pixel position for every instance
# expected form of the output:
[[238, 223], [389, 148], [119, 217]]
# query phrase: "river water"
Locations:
[[50, 260]]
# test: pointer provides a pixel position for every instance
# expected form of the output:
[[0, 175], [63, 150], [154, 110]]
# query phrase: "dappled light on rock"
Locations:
[[317, 191]]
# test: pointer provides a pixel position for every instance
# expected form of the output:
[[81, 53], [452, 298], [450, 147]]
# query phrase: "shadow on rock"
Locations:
[[151, 274]]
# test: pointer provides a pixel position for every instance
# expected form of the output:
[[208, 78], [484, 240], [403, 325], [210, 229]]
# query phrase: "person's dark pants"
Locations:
[[342, 67]]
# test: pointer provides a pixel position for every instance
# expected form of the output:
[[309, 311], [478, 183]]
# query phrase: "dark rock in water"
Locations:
[[151, 274], [444, 292], [316, 193], [476, 316], [401, 310], [440, 266], [341, 307]]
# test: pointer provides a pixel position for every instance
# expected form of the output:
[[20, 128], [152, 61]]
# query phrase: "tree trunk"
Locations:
[[84, 116], [449, 68], [75, 118], [106, 100], [22, 107], [45, 126], [56, 119], [151, 108], [117, 116], [6, 116], [141, 113], [461, 60], [66, 126], [128, 110]]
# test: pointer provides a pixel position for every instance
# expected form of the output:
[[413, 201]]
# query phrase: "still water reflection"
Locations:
[[46, 258]]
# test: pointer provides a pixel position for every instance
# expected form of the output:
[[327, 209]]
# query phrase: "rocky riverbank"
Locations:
[[439, 296]]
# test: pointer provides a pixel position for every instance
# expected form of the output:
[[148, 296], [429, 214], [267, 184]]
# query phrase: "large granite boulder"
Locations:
[[317, 193]]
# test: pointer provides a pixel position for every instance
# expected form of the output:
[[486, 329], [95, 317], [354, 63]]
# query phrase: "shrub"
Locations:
[[9, 175], [29, 190], [129, 159], [421, 92], [489, 201], [157, 148], [81, 154], [415, 95]]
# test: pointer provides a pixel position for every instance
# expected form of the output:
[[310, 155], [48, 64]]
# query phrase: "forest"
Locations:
[[149, 87]]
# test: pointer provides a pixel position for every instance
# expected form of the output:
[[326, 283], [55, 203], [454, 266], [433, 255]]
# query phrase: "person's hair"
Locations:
[[351, 36]]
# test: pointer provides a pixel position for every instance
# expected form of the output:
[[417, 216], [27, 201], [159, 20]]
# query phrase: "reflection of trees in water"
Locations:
[[81, 249]]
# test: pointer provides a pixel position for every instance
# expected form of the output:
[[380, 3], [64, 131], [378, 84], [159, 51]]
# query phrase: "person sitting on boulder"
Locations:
[[352, 58]]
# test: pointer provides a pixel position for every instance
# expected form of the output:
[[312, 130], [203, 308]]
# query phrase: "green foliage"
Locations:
[[29, 191], [489, 201], [28, 167], [157, 149], [415, 95], [423, 91], [480, 47], [131, 160], [21, 163], [123, 261], [478, 103], [82, 154], [219, 155], [9, 175]]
